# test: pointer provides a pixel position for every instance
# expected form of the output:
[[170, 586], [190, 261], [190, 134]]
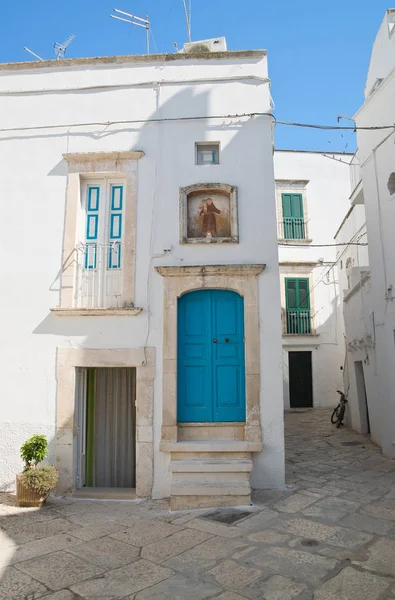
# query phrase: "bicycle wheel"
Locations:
[[340, 416], [335, 414]]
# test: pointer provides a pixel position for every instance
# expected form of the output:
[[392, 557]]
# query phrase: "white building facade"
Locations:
[[360, 373], [369, 309], [141, 325], [312, 191]]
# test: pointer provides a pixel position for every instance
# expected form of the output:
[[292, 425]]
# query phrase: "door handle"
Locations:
[[215, 340], [226, 340]]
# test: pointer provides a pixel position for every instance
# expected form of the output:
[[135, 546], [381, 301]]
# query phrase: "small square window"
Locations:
[[207, 154]]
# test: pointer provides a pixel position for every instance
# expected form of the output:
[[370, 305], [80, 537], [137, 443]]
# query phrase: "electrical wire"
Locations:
[[194, 118], [333, 265], [284, 244]]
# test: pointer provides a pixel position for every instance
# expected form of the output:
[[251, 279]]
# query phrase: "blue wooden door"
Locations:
[[211, 370]]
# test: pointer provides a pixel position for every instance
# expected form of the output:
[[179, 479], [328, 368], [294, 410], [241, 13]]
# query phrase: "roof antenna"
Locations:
[[60, 49], [33, 53], [188, 15], [133, 20]]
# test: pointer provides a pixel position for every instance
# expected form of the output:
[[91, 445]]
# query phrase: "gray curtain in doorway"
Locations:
[[115, 426]]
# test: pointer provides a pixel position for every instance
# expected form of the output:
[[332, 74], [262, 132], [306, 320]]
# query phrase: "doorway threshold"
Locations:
[[105, 493]]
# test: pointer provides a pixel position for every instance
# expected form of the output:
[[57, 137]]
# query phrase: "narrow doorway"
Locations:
[[106, 426], [362, 399], [211, 366], [300, 380]]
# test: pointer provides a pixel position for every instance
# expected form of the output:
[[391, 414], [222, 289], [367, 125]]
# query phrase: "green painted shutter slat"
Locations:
[[304, 297], [287, 205], [297, 206], [291, 293]]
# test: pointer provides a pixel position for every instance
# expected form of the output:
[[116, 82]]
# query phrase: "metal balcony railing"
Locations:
[[98, 275], [292, 229], [297, 322]]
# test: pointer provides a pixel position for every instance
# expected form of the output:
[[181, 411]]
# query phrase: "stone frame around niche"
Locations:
[[203, 188]]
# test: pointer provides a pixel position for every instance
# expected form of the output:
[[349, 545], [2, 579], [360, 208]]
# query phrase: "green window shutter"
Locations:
[[297, 206], [304, 295], [297, 294], [293, 223], [290, 293], [292, 206], [287, 205]]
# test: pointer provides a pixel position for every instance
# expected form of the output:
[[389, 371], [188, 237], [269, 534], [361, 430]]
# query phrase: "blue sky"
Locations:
[[318, 51]]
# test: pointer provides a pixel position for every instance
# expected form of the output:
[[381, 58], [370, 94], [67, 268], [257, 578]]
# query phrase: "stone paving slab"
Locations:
[[329, 535], [58, 570]]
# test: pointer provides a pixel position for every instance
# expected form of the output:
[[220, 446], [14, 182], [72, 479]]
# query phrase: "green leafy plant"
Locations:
[[42, 480], [34, 450]]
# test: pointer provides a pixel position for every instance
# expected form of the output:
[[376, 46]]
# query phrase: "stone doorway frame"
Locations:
[[67, 360], [180, 280]]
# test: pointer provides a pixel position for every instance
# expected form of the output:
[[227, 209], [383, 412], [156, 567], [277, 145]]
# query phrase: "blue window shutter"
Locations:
[[92, 226], [115, 227]]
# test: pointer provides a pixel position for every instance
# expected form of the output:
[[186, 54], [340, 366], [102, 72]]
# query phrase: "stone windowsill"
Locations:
[[96, 312], [301, 335], [291, 242]]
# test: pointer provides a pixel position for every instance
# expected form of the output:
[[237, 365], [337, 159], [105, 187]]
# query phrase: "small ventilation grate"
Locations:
[[354, 443], [226, 516]]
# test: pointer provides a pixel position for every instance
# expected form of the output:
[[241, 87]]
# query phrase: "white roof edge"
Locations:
[[132, 58]]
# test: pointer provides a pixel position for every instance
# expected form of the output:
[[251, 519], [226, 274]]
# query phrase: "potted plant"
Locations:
[[34, 485]]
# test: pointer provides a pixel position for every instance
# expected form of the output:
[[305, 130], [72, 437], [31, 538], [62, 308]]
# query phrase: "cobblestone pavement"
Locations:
[[329, 536]]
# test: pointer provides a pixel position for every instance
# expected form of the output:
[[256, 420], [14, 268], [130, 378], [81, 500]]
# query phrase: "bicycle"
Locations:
[[338, 413]]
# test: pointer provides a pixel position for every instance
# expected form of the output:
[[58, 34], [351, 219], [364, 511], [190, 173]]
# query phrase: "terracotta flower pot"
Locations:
[[26, 496]]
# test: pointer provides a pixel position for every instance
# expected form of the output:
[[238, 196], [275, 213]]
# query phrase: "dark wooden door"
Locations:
[[300, 379]]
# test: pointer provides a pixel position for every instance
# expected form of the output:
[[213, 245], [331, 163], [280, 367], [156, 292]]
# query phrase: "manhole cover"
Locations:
[[355, 443], [228, 517], [309, 543]]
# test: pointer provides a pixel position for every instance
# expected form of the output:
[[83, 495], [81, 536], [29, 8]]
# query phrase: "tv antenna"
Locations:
[[59, 49], [133, 20], [33, 53], [188, 15]]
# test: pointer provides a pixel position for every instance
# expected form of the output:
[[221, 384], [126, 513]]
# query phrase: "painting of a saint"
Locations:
[[208, 216], [209, 224]]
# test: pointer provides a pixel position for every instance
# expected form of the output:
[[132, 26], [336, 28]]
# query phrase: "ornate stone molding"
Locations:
[[80, 157], [211, 270]]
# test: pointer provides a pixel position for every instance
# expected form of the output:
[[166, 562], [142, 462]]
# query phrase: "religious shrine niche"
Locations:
[[208, 214]]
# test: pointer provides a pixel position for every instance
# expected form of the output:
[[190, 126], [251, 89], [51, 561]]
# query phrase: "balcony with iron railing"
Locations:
[[98, 275], [298, 321], [292, 228]]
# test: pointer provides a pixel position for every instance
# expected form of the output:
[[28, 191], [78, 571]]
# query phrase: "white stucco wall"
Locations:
[[377, 158], [382, 56], [360, 348], [32, 192], [326, 199], [352, 229]]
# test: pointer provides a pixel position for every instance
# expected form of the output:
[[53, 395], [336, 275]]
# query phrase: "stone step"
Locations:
[[211, 446], [212, 465], [210, 431], [215, 488], [211, 477], [207, 501]]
